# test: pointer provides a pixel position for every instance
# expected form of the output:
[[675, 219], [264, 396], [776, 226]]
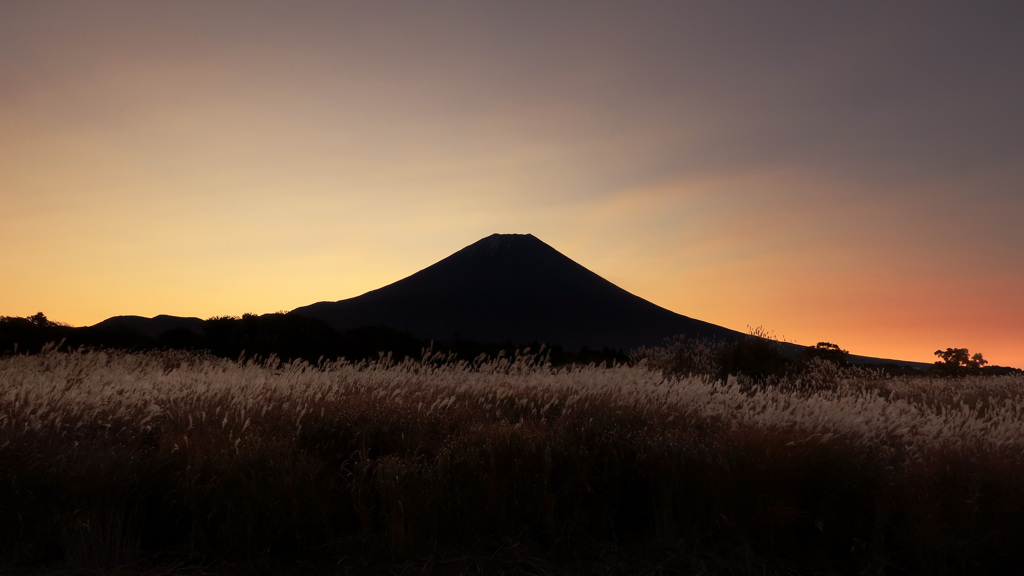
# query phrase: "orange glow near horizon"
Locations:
[[761, 168]]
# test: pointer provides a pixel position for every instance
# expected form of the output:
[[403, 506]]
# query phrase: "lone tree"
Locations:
[[955, 361], [827, 351], [39, 319]]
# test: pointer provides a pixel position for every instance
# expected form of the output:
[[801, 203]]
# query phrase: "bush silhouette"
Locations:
[[757, 356], [827, 351], [958, 361]]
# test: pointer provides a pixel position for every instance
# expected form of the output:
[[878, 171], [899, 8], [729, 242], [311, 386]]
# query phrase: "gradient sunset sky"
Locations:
[[848, 172]]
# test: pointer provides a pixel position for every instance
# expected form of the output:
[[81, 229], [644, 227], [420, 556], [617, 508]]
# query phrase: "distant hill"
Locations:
[[151, 327], [512, 287]]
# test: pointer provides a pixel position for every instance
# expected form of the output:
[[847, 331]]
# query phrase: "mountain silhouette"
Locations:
[[513, 288], [151, 327]]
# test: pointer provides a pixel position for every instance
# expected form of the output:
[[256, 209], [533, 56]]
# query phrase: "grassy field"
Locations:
[[173, 462]]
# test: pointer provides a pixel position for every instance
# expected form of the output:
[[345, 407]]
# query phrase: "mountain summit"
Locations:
[[512, 287]]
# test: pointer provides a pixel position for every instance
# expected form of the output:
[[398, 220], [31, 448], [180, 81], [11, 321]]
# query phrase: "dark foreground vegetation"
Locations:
[[171, 462], [290, 336], [285, 335]]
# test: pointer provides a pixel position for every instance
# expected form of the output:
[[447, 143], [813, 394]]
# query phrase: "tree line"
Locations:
[[291, 337], [285, 335]]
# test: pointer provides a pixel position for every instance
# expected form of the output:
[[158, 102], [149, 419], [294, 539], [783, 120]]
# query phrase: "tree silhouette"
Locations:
[[31, 333], [827, 351], [956, 361], [39, 319]]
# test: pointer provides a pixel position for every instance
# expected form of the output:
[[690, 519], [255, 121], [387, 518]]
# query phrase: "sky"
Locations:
[[842, 172]]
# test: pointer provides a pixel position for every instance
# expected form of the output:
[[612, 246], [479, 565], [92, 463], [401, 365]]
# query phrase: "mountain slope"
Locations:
[[512, 287]]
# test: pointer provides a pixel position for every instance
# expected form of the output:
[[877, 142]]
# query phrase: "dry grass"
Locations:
[[109, 459]]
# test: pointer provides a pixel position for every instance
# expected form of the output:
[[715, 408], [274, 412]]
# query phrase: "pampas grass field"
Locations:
[[175, 462]]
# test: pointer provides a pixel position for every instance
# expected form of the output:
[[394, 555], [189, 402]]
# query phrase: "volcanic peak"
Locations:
[[497, 245], [511, 288]]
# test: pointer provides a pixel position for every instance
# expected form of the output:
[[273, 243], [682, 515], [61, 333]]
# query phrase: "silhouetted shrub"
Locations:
[[958, 362], [758, 356], [828, 352], [681, 355]]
